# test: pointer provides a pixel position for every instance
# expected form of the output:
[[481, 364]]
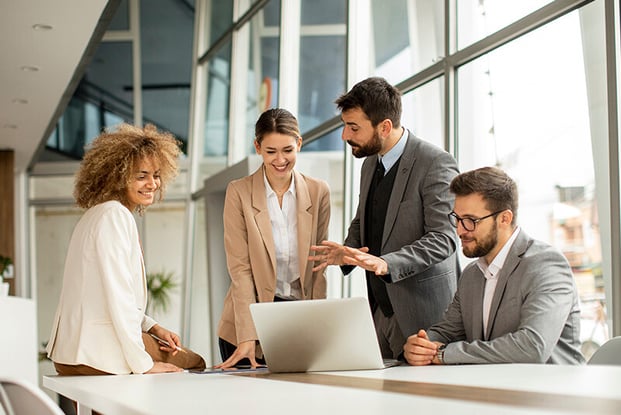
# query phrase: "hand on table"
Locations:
[[420, 351], [244, 350]]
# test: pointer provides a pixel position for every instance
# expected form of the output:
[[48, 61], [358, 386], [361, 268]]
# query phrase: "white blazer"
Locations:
[[101, 312]]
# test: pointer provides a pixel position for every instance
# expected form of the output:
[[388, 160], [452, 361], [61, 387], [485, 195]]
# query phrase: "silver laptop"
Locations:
[[318, 335]]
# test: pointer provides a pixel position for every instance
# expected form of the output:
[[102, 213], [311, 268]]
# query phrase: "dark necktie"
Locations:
[[379, 171]]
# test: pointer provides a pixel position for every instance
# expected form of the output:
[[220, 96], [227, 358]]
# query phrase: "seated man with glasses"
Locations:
[[517, 303]]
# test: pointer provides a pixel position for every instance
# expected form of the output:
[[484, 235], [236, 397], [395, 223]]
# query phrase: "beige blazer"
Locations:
[[101, 312], [250, 251]]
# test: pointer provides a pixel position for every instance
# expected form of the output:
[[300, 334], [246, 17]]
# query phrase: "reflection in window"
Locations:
[[103, 98], [518, 110], [217, 113], [407, 36], [322, 62], [478, 18], [218, 20], [263, 60], [166, 51]]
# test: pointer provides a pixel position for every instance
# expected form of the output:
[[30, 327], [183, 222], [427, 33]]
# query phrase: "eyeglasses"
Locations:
[[469, 224]]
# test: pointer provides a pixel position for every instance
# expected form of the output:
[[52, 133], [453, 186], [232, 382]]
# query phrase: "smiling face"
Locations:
[[279, 152], [360, 134], [483, 240], [143, 184]]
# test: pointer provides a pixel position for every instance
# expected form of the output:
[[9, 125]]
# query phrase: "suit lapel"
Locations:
[[262, 215], [305, 222], [476, 319], [513, 260], [366, 177], [406, 164]]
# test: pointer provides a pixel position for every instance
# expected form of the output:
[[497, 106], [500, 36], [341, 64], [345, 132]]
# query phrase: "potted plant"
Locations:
[[6, 270], [5, 264], [159, 287]]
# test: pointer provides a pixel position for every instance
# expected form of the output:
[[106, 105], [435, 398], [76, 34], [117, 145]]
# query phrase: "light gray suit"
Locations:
[[418, 243], [534, 315]]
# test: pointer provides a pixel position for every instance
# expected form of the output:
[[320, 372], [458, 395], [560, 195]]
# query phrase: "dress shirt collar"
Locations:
[[491, 271], [389, 159], [268, 188]]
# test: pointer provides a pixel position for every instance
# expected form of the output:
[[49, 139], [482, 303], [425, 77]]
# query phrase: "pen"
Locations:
[[164, 342]]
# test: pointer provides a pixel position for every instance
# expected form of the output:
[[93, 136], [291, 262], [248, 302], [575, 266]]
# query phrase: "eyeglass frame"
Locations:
[[461, 220]]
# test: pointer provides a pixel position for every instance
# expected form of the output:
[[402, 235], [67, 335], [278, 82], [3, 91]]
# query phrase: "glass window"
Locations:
[[120, 20], [478, 18], [218, 20], [423, 112], [104, 95], [217, 111], [166, 65], [263, 64], [323, 47], [322, 78], [407, 36], [525, 108], [320, 12]]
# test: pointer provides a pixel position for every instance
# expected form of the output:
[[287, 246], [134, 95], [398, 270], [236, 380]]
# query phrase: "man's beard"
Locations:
[[372, 147], [484, 246]]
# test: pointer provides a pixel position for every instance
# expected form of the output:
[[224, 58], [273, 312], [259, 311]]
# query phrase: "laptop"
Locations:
[[318, 335]]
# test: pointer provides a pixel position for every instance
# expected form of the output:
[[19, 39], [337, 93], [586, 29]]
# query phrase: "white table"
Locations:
[[482, 389]]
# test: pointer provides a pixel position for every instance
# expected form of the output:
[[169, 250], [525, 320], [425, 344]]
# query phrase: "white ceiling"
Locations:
[[39, 69]]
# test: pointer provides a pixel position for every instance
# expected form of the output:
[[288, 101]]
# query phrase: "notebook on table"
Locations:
[[318, 335]]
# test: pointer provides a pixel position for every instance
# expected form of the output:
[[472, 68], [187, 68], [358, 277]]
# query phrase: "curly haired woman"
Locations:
[[100, 325]]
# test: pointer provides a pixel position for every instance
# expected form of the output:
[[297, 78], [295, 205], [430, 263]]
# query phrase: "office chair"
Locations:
[[608, 354], [18, 397]]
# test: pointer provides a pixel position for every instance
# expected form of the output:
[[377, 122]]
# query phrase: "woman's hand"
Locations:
[[162, 367], [168, 336], [244, 349]]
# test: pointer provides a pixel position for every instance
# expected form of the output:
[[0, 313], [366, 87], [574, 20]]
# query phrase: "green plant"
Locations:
[[159, 287], [4, 264]]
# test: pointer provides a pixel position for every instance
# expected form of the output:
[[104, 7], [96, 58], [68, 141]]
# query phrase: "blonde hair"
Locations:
[[109, 162]]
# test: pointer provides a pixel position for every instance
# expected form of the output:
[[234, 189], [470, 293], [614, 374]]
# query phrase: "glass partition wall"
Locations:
[[520, 85]]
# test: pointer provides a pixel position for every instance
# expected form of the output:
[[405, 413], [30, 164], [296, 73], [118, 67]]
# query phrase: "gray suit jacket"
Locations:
[[534, 316], [418, 243]]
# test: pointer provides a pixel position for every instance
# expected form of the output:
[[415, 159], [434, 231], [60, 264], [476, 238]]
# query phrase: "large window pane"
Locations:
[[104, 97], [407, 36], [215, 146], [422, 112], [263, 60], [479, 18], [322, 61], [218, 19], [166, 64], [525, 108]]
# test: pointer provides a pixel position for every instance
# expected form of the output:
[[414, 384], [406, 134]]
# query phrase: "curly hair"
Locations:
[[110, 160]]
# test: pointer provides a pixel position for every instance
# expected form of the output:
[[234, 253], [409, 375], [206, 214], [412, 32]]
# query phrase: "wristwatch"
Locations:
[[440, 355]]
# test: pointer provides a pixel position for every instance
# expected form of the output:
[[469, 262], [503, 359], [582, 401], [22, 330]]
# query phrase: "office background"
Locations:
[[529, 86]]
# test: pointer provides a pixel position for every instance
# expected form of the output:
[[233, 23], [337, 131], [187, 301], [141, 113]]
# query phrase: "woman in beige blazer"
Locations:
[[271, 219], [100, 325]]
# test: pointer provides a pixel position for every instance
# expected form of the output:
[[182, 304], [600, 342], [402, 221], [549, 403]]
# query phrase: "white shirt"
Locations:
[[490, 272], [285, 233]]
